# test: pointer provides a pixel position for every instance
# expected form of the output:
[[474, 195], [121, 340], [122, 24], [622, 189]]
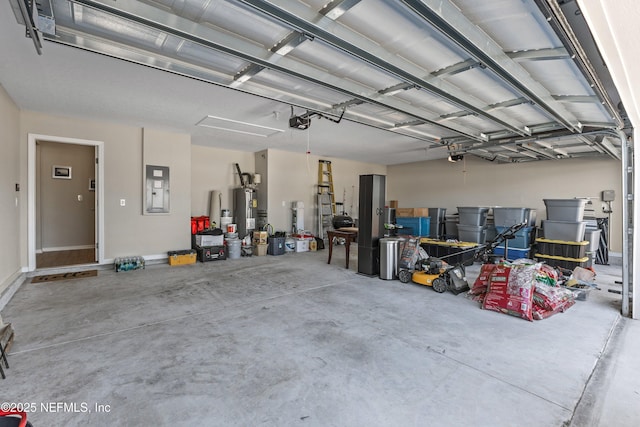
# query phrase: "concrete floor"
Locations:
[[292, 341]]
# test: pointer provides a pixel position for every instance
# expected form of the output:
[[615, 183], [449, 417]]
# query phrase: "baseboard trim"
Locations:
[[67, 248], [14, 282]]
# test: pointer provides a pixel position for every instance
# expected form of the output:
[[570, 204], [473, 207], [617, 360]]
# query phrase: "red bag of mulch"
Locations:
[[540, 313], [481, 284], [551, 298], [511, 290], [546, 274]]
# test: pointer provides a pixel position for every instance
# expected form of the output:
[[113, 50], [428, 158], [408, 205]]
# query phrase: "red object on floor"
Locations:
[[511, 291], [10, 414]]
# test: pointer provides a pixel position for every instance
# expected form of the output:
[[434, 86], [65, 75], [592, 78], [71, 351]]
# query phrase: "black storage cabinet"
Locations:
[[370, 223]]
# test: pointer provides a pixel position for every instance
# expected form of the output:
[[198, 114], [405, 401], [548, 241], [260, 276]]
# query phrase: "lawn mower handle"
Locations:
[[509, 233]]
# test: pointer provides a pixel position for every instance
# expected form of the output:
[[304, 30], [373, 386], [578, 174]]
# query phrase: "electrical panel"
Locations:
[[157, 189]]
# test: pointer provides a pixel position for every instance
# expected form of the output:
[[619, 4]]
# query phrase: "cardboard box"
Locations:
[[423, 212], [393, 204], [260, 249], [260, 237], [412, 212], [302, 245], [404, 212], [209, 240]]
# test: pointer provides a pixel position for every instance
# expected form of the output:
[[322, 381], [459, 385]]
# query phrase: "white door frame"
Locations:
[[31, 192]]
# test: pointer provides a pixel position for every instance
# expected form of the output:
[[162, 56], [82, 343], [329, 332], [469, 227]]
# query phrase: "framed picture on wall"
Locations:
[[92, 185], [61, 172]]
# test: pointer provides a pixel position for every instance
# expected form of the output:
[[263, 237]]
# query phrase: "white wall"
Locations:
[[171, 231], [127, 231], [10, 265], [294, 177], [476, 182], [214, 169]]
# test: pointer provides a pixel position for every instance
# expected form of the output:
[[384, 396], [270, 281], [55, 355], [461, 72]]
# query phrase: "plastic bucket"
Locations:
[[235, 248], [289, 245], [224, 221]]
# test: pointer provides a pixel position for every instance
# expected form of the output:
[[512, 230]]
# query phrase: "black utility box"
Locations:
[[276, 245], [210, 253]]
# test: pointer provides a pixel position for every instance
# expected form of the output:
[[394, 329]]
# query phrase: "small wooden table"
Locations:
[[349, 234]]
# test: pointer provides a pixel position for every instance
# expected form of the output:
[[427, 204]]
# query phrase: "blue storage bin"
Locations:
[[415, 226], [512, 253], [522, 239]]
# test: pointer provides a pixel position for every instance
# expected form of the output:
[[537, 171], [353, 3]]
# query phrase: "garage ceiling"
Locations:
[[372, 80]]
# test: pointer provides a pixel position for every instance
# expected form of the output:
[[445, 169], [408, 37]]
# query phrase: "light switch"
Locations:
[[80, 198], [123, 202]]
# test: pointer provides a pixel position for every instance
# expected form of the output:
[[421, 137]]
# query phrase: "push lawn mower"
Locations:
[[439, 275], [435, 272]]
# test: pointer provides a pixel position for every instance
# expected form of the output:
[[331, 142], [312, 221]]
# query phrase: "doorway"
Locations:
[[65, 202]]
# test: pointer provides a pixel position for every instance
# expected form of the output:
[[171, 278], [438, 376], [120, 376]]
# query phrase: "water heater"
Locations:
[[245, 205]]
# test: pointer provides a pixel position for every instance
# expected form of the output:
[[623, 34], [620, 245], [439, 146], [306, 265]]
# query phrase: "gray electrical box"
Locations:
[[157, 189], [608, 195]]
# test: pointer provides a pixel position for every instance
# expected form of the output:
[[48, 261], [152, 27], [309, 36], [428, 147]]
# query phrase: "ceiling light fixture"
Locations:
[[229, 125]]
